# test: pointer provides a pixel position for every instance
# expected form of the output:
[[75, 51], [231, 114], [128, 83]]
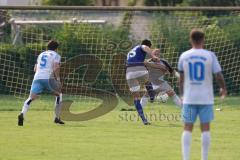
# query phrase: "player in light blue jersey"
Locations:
[[46, 76], [196, 67], [136, 74]]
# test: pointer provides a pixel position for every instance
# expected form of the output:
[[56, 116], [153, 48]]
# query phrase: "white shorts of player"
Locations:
[[135, 89], [135, 74]]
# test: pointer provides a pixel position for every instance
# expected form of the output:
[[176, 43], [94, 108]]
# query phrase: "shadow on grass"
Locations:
[[171, 125], [73, 125]]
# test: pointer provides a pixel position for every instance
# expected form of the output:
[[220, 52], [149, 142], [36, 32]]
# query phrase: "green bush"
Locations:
[[6, 29], [213, 2], [162, 2], [230, 25], [39, 33], [69, 2], [16, 68]]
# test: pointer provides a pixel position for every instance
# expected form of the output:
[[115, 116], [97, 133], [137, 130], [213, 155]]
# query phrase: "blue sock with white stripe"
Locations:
[[140, 110]]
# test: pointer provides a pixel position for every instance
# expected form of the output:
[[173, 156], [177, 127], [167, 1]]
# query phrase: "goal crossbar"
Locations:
[[122, 8], [22, 22]]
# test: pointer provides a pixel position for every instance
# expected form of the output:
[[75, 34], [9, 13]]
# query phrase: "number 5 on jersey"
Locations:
[[43, 61], [131, 54]]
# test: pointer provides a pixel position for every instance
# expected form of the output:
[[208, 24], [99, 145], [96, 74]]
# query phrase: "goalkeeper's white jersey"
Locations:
[[45, 64], [198, 66], [156, 76]]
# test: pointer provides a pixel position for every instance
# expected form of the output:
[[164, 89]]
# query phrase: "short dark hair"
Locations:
[[52, 45], [196, 36], [146, 42]]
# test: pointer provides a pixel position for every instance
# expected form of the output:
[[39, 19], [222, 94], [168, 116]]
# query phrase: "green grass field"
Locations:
[[116, 136]]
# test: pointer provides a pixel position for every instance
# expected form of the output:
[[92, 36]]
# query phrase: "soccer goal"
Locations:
[[94, 42]]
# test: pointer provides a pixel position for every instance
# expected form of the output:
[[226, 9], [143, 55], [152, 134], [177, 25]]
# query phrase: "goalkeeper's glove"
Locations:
[[176, 74]]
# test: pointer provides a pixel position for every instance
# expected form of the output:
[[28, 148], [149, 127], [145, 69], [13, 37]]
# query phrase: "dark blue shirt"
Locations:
[[136, 56]]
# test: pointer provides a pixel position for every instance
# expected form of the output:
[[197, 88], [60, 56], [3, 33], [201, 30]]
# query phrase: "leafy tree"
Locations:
[[213, 2]]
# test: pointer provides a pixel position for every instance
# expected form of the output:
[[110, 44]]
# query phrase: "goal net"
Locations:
[[94, 44]]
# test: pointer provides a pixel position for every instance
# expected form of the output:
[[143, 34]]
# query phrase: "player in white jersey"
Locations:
[[196, 67], [157, 70], [46, 76]]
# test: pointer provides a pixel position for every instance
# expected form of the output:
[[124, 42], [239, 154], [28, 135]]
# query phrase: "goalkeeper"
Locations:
[[157, 70]]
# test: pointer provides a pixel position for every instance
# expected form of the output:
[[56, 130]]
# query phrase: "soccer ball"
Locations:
[[162, 97]]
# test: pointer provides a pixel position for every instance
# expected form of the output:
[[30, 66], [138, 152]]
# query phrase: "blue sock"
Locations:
[[150, 91], [140, 110]]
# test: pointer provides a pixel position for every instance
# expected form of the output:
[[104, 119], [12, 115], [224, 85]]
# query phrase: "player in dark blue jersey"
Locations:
[[137, 74]]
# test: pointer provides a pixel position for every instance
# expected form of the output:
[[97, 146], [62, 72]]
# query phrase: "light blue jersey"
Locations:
[[43, 77], [198, 66], [45, 64]]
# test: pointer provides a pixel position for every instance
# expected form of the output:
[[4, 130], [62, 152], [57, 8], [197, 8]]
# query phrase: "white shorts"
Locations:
[[135, 77], [135, 72]]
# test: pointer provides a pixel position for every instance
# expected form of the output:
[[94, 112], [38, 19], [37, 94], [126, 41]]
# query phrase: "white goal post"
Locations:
[[94, 42]]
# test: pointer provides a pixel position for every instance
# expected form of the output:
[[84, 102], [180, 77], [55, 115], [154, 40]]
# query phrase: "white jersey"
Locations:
[[198, 66], [156, 76], [45, 64]]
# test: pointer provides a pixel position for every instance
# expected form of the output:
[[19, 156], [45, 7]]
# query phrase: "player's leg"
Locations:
[[206, 139], [27, 103], [189, 115], [58, 106], [170, 92], [133, 76], [135, 89], [144, 100], [206, 116], [150, 91], [176, 100], [186, 140], [139, 107], [36, 89], [55, 87]]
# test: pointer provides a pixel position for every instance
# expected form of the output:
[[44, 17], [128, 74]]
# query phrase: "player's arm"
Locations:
[[150, 52], [150, 64], [176, 74], [181, 77], [35, 67], [56, 67], [221, 82], [170, 69], [181, 82], [56, 70], [216, 68]]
